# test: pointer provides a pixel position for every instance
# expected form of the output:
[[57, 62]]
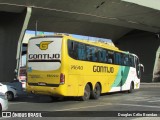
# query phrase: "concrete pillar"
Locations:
[[145, 45], [10, 30], [156, 71]]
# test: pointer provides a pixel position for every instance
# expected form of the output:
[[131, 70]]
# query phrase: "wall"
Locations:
[[10, 28], [156, 72], [145, 45]]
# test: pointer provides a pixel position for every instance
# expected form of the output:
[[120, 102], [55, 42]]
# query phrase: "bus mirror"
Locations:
[[141, 66]]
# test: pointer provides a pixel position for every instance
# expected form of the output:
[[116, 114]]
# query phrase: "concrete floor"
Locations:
[[147, 98]]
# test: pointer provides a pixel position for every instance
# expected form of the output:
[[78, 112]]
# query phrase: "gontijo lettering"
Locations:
[[103, 69], [44, 56]]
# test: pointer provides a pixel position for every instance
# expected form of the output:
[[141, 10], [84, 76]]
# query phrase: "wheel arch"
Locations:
[[10, 92], [132, 83], [90, 85]]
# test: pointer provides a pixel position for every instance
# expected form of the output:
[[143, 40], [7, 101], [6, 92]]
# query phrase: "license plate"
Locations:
[[41, 83]]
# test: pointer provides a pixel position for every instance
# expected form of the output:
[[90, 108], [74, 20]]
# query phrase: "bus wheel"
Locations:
[[56, 98], [10, 96], [131, 88], [95, 94], [87, 93]]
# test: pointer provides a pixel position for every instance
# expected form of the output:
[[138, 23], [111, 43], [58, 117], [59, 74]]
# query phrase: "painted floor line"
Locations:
[[135, 105], [140, 105], [17, 103], [154, 101], [84, 107], [139, 99]]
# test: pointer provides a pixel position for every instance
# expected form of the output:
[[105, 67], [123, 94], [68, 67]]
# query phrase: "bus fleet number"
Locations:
[[76, 67]]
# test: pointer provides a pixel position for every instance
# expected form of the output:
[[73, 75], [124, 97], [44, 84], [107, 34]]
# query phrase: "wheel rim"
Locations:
[[87, 93], [9, 96], [97, 90]]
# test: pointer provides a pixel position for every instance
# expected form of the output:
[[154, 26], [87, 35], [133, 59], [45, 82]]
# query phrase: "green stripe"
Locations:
[[118, 77], [125, 75], [121, 76]]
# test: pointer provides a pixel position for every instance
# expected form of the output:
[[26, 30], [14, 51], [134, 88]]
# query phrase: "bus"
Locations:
[[61, 65]]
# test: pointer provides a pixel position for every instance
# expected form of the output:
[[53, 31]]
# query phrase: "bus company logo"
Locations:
[[44, 45]]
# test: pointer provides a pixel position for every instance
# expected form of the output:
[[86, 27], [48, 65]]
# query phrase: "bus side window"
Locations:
[[94, 56], [72, 49], [131, 61], [110, 57], [126, 61], [81, 52], [102, 55], [89, 53], [117, 58], [99, 54], [106, 56]]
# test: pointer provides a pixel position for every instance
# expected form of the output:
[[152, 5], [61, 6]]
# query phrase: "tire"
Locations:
[[10, 96], [56, 98], [95, 94], [131, 88], [0, 107], [87, 93]]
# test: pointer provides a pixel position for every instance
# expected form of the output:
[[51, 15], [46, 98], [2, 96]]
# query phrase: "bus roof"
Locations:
[[95, 43]]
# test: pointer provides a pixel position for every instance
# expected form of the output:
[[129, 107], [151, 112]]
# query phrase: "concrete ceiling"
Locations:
[[101, 18]]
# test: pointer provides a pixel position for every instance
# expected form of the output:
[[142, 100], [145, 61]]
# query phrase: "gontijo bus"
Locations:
[[64, 66]]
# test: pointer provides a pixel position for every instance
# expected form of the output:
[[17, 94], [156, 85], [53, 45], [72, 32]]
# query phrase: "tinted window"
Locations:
[[110, 57], [118, 58], [81, 51], [102, 55], [72, 49], [131, 61], [126, 62], [89, 53]]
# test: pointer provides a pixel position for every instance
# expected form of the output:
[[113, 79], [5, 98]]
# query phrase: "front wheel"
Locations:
[[131, 88], [0, 107], [87, 93], [95, 94]]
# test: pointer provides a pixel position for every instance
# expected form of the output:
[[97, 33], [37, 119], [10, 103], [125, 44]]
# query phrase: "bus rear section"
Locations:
[[44, 65]]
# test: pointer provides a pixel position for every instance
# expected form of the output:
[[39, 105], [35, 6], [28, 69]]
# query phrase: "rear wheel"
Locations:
[[56, 98], [87, 93], [0, 107], [10, 96], [95, 94]]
